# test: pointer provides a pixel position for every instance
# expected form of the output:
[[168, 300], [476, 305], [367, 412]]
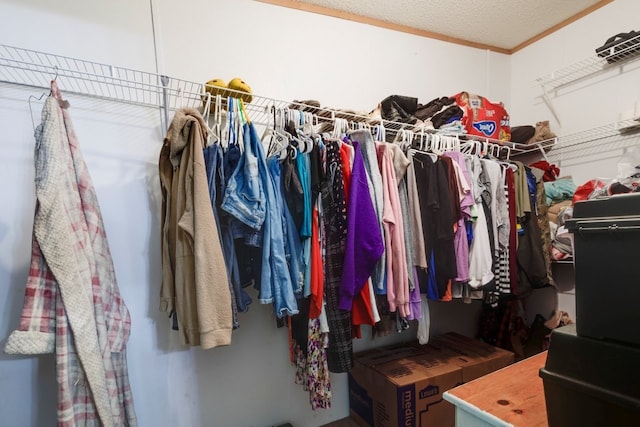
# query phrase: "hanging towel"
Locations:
[[72, 303]]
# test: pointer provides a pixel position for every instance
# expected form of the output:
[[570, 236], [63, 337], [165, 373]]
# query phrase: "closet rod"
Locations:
[[36, 69]]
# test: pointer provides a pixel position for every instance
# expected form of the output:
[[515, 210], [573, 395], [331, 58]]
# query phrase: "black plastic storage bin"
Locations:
[[606, 235], [589, 382]]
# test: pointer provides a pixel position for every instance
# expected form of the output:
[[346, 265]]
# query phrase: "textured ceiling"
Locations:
[[501, 23]]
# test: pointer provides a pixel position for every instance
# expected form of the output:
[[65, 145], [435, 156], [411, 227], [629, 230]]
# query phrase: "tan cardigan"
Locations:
[[194, 277]]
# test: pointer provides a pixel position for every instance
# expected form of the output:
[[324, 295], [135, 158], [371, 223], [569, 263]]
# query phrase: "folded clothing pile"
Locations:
[[435, 114], [550, 171], [618, 186], [313, 106], [559, 198], [529, 135], [460, 113], [559, 190], [561, 239]]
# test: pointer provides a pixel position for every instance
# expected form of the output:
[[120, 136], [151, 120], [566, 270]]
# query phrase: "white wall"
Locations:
[[588, 103], [282, 53], [289, 54], [591, 102]]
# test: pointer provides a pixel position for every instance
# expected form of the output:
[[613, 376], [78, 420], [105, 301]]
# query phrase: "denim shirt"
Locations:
[[244, 197], [292, 244], [217, 164], [213, 160], [275, 284]]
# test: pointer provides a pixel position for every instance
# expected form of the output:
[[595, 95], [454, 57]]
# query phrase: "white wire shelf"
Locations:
[[75, 76], [599, 140], [626, 52], [86, 78], [36, 69], [608, 138]]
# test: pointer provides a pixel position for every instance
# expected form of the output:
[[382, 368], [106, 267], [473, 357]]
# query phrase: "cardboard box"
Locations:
[[402, 391], [402, 385], [474, 357]]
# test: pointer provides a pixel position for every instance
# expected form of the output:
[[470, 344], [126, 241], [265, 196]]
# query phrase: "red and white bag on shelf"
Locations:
[[483, 117]]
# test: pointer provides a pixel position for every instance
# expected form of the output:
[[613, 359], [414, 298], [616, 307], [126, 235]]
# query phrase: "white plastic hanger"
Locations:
[[436, 144], [467, 147], [408, 137], [281, 145], [399, 136], [307, 127], [496, 150], [231, 132], [205, 116], [485, 147], [381, 133], [447, 143], [217, 121], [490, 149], [235, 121], [308, 142], [270, 134], [301, 143], [340, 127], [309, 134], [508, 150], [424, 141], [307, 131], [455, 143]]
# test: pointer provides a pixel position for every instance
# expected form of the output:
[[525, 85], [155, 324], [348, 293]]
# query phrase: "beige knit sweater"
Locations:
[[194, 277]]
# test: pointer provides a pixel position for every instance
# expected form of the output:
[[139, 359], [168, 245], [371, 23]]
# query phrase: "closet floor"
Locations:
[[345, 422]]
